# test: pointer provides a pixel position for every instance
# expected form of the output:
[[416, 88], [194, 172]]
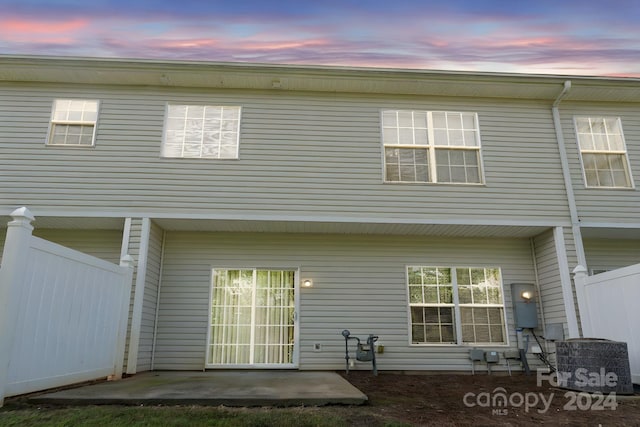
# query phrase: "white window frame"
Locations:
[[623, 152], [201, 132], [54, 122], [432, 145], [296, 324], [457, 317]]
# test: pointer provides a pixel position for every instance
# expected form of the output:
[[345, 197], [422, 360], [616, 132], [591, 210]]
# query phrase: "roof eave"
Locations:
[[226, 75]]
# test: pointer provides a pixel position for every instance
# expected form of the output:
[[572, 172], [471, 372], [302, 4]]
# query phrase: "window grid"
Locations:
[[426, 146], [480, 298], [201, 131], [252, 317], [73, 123], [603, 152], [431, 299], [441, 297]]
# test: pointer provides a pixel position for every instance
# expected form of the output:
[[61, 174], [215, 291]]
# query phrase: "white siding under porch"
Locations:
[[549, 279], [359, 284], [103, 244], [609, 254]]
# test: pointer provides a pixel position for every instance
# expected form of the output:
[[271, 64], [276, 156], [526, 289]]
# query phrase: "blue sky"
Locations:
[[588, 37]]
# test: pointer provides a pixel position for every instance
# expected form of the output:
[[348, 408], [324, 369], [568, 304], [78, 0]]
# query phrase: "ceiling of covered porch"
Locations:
[[619, 231], [443, 229]]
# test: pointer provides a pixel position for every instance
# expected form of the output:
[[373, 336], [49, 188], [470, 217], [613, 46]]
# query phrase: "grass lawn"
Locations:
[[20, 415], [394, 400]]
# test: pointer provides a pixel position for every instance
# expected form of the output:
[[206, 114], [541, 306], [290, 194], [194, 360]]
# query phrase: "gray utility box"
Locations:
[[525, 310], [491, 356], [594, 365], [476, 354]]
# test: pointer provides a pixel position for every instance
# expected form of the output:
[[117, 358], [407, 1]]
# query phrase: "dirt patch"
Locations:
[[394, 400], [446, 399]]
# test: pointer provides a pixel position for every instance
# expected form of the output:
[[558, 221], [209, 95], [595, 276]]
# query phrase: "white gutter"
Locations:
[[571, 200], [565, 91]]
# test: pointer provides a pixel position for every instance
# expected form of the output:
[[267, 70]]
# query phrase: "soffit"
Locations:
[[442, 230], [241, 226], [317, 227]]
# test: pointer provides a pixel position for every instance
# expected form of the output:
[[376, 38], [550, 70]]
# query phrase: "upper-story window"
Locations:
[[73, 123], [603, 151], [201, 131], [431, 146]]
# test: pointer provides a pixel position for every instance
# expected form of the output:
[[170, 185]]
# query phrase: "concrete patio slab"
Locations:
[[229, 388]]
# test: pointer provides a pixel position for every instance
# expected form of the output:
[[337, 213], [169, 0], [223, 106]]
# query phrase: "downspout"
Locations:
[[571, 309], [573, 209]]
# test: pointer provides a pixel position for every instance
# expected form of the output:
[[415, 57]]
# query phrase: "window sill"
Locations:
[[209, 159], [632, 188], [70, 146], [468, 184], [466, 345]]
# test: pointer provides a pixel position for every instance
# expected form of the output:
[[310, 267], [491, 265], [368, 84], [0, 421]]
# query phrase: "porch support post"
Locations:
[[580, 280], [565, 283], [138, 297], [126, 261], [13, 273], [126, 235]]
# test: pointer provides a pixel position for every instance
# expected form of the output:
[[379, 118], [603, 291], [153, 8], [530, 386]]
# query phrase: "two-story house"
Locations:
[[270, 207]]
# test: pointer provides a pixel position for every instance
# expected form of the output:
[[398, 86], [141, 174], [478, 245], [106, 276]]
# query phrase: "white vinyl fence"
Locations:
[[63, 315], [608, 304]]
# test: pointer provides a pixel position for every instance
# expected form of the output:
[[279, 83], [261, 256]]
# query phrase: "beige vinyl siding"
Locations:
[[150, 298], [359, 284], [305, 156], [104, 244], [610, 254], [549, 279], [604, 205]]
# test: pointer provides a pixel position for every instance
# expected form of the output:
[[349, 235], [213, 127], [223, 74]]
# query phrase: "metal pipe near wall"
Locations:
[[571, 200]]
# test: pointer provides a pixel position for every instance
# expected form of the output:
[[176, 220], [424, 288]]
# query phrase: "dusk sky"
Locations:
[[587, 37]]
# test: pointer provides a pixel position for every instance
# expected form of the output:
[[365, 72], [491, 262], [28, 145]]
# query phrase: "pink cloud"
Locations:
[[41, 31], [17, 26], [280, 44], [187, 44], [482, 43]]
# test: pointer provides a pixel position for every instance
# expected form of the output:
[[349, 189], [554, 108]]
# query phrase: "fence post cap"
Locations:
[[579, 270], [22, 213], [127, 261]]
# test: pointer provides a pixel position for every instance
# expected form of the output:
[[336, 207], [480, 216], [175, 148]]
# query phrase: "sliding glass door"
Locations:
[[252, 318]]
